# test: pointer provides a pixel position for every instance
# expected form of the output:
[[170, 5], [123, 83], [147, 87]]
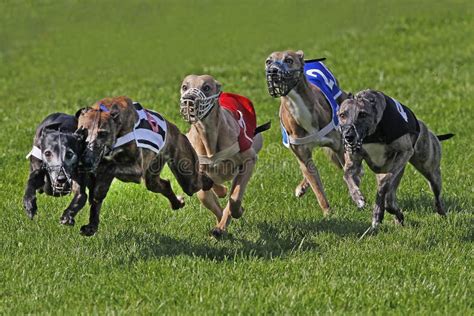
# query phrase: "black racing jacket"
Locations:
[[397, 120]]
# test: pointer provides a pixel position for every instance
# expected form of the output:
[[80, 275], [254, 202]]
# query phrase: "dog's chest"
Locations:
[[376, 154], [300, 111]]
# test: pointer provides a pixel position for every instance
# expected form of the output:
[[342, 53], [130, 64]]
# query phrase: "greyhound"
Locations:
[[387, 135], [309, 97], [224, 134], [127, 142], [53, 165]]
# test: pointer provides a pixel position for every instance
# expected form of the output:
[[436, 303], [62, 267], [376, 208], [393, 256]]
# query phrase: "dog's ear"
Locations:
[[81, 111], [218, 86], [350, 95], [300, 55], [81, 133], [115, 112]]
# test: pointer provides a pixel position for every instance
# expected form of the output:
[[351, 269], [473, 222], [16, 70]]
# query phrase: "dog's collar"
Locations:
[[220, 156]]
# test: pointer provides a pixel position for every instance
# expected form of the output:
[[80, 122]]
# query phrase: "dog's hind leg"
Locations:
[[391, 204], [434, 180], [311, 174], [156, 184], [35, 181]]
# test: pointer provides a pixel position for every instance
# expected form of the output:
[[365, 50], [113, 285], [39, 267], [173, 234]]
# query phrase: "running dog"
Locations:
[[53, 165], [309, 98], [127, 142], [387, 135], [224, 134]]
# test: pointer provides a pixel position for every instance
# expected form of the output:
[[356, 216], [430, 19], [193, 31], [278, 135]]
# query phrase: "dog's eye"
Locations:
[[206, 88], [288, 61], [342, 115], [69, 155], [102, 133], [268, 62], [184, 87], [48, 154], [363, 114]]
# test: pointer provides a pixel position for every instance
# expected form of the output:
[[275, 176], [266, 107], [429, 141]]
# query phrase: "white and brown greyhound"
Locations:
[[309, 97], [225, 136]]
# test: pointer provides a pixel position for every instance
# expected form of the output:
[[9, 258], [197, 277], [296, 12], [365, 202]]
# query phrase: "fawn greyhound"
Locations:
[[309, 97], [224, 134]]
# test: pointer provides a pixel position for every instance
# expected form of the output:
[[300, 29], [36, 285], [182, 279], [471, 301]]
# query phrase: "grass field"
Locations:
[[283, 256]]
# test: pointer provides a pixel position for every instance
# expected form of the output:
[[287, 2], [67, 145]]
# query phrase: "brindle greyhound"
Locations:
[[127, 142], [387, 135], [304, 112], [53, 165], [224, 134]]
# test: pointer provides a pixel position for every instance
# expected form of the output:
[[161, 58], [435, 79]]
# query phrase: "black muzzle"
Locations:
[[280, 79], [351, 138]]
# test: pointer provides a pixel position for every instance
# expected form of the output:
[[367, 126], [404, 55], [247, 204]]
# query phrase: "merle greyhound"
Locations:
[[53, 165]]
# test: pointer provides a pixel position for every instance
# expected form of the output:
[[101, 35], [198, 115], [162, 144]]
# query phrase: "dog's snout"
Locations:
[[61, 179]]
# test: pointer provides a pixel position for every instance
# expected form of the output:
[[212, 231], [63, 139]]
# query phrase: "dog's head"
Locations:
[[60, 153], [199, 94], [100, 125], [359, 116], [283, 71]]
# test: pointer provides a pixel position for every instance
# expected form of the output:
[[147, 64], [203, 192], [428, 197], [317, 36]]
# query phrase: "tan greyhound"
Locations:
[[306, 116], [224, 134]]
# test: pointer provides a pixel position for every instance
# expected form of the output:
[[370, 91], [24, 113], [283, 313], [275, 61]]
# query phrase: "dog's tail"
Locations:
[[444, 136], [263, 127]]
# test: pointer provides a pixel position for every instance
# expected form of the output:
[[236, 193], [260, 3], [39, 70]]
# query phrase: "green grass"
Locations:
[[282, 257]]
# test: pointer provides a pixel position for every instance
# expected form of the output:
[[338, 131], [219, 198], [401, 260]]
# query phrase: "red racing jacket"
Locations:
[[244, 112]]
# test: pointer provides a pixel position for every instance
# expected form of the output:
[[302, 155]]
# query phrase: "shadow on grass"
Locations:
[[274, 241], [453, 204]]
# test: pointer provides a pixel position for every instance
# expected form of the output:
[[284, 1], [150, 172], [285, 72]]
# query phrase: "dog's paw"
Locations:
[[88, 230], [179, 203], [301, 189], [399, 219], [30, 213], [360, 202], [67, 220], [237, 214], [217, 232]]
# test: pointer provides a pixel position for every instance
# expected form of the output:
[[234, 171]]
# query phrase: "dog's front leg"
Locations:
[[310, 172], [352, 171], [97, 193], [239, 184], [386, 182], [77, 203], [35, 181]]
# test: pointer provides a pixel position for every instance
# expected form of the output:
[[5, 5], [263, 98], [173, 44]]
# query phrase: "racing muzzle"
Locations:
[[351, 137], [195, 105], [281, 79], [93, 155], [61, 180]]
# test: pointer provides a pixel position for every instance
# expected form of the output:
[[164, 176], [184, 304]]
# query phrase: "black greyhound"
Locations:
[[54, 163]]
